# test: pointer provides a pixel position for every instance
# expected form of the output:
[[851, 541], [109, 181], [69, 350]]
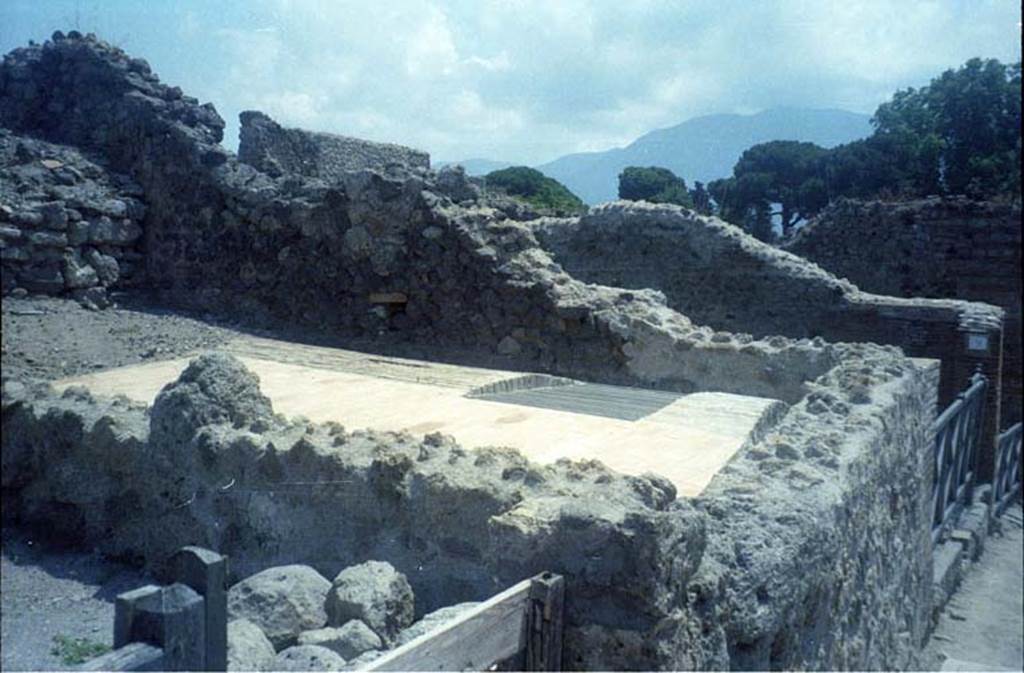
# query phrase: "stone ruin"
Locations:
[[811, 548], [937, 247], [277, 151]]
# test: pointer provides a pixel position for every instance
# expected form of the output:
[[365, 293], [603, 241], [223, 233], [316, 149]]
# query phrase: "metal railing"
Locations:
[[957, 435], [1006, 479]]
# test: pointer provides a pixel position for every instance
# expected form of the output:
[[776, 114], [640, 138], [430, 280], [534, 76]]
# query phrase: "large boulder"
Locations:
[[375, 593], [215, 388], [349, 640], [282, 601], [248, 647], [308, 658]]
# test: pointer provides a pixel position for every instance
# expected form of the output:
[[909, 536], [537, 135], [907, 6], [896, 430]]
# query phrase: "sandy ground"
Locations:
[[49, 338]]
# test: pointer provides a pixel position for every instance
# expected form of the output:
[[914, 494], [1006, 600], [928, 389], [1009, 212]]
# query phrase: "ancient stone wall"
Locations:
[[716, 275], [944, 248], [67, 225], [277, 151], [212, 465], [395, 252], [810, 550], [821, 533], [370, 252]]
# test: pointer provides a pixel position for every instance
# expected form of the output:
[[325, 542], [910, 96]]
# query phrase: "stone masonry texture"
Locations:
[[944, 248], [277, 151], [810, 549], [717, 276]]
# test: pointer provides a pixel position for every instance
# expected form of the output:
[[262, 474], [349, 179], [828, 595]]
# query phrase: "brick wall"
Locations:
[[947, 248]]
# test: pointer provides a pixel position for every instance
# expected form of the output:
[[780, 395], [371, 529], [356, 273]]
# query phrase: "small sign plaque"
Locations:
[[977, 342]]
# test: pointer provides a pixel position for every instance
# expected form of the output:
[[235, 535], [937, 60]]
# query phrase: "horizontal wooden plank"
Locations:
[[388, 298], [131, 657], [488, 633]]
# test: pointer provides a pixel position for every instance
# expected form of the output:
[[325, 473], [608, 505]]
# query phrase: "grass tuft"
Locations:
[[75, 651]]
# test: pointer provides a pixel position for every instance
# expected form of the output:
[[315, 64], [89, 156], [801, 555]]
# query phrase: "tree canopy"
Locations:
[[961, 134], [654, 184], [536, 189]]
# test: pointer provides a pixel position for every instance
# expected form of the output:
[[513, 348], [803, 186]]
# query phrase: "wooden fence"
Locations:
[[183, 627], [180, 627], [518, 629]]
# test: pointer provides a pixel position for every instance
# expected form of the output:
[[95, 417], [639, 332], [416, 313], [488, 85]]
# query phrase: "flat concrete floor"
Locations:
[[688, 441]]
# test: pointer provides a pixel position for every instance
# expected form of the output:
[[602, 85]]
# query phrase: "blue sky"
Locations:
[[529, 80]]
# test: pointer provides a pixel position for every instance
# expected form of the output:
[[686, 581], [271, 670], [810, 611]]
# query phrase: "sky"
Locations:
[[527, 81]]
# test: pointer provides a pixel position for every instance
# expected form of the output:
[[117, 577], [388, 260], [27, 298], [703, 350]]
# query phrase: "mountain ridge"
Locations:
[[701, 148]]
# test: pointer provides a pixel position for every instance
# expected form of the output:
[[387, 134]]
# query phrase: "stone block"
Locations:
[[349, 640], [48, 239], [375, 593], [283, 601], [248, 648], [307, 658], [78, 274], [117, 232]]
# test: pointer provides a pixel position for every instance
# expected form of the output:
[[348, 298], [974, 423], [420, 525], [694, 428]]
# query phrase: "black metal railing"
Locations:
[[957, 435], [1006, 480]]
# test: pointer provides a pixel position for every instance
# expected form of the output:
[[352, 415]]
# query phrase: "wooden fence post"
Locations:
[[206, 572], [172, 618], [544, 624]]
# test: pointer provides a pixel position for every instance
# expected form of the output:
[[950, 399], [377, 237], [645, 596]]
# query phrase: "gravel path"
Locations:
[[49, 338], [982, 626], [49, 592]]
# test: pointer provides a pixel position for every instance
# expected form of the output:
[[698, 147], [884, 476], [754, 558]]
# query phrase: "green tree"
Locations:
[[701, 198], [654, 184], [536, 189], [961, 133], [784, 172]]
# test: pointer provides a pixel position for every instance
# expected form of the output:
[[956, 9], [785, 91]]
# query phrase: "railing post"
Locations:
[[544, 624], [979, 390], [206, 573]]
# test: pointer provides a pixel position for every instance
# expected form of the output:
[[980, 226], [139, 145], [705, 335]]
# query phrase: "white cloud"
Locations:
[[528, 80]]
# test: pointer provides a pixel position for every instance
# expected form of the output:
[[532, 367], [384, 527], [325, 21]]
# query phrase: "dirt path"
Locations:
[[982, 627], [49, 593]]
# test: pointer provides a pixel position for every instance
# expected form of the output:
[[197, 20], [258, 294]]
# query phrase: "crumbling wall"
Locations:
[[369, 252], [819, 547], [811, 549], [210, 464], [716, 275], [949, 248], [375, 252], [67, 225], [277, 151]]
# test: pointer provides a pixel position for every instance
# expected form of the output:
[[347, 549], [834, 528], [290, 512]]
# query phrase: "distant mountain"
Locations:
[[702, 148], [476, 166]]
